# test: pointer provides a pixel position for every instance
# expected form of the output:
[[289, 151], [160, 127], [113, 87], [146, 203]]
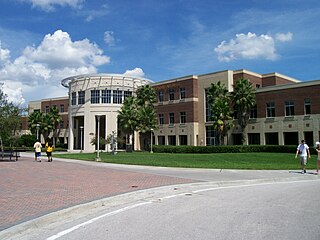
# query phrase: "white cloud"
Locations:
[[109, 38], [4, 55], [13, 90], [91, 14], [284, 37], [137, 72], [49, 5], [43, 67], [247, 46]]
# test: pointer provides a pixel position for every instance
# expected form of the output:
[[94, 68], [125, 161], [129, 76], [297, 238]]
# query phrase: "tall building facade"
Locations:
[[287, 110]]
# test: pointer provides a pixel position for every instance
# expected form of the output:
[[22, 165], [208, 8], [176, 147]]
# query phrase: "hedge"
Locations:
[[227, 149]]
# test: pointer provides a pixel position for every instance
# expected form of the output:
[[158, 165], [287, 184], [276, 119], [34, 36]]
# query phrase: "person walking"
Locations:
[[303, 150], [37, 150], [318, 159], [49, 150]]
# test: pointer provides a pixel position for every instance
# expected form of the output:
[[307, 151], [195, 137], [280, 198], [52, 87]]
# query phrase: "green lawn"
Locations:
[[258, 161]]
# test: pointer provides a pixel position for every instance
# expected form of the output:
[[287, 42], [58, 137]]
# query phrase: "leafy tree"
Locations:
[[221, 112], [10, 120], [243, 99]]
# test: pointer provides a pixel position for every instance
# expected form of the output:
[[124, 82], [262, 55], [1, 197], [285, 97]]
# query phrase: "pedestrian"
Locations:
[[37, 150], [304, 152], [318, 159], [49, 150]]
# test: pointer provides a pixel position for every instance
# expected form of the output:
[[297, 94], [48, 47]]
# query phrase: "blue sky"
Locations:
[[44, 41]]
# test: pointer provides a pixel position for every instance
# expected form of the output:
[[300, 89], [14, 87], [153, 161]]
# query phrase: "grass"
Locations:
[[257, 161]]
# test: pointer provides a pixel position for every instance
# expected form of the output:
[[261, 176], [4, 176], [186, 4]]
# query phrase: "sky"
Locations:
[[45, 41]]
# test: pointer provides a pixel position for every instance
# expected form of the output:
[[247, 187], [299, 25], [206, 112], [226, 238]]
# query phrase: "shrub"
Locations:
[[225, 149]]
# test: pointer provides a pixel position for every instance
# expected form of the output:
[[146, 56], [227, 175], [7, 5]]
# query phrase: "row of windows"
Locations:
[[101, 96], [172, 140], [61, 108], [182, 94], [171, 119], [289, 107]]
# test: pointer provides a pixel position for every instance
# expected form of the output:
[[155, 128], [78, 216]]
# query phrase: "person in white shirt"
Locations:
[[37, 150], [303, 150]]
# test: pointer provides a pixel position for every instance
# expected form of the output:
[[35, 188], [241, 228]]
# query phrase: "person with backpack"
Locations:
[[49, 150], [303, 150]]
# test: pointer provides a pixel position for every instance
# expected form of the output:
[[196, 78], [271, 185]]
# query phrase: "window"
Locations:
[[95, 96], [62, 124], [171, 118], [61, 108], [47, 109], [74, 98], [81, 97], [171, 94], [106, 96], [253, 113], [161, 119], [254, 138], [182, 93], [117, 96], [183, 140], [271, 110], [172, 140], [127, 94], [289, 108], [211, 137], [161, 140], [160, 96], [183, 118], [307, 106]]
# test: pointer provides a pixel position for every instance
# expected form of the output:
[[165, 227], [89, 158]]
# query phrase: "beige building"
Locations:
[[287, 110], [94, 102]]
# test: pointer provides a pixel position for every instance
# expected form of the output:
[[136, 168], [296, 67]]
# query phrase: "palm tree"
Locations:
[[146, 97], [48, 122], [138, 113], [243, 99], [56, 119], [128, 118], [219, 101], [35, 119], [47, 125]]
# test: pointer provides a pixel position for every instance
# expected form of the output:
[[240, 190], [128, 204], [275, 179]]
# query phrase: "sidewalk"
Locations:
[[32, 189]]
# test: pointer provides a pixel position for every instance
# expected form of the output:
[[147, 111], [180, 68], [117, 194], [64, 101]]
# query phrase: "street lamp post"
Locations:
[[81, 138], [98, 138], [38, 127], [151, 130]]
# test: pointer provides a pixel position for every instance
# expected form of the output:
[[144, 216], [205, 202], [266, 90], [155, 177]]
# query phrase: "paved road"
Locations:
[[284, 211], [37, 196]]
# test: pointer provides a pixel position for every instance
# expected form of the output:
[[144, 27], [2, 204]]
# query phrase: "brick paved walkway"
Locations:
[[30, 189]]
